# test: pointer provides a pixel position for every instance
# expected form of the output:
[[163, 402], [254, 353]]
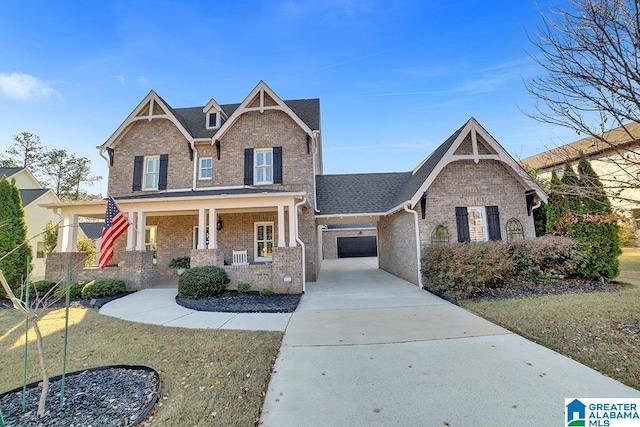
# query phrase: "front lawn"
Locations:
[[209, 377], [600, 329]]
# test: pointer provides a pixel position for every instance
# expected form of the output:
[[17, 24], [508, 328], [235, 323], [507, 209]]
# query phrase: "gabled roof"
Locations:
[[8, 172], [30, 195], [380, 193], [192, 121], [93, 230], [618, 138]]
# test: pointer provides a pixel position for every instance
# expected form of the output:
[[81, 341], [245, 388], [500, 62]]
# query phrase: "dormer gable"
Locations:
[[214, 115]]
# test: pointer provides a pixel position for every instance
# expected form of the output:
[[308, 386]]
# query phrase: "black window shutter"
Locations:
[[462, 224], [137, 173], [164, 166], [277, 165], [248, 166], [493, 222]]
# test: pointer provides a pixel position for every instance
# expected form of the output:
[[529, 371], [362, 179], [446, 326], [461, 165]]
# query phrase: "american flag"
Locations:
[[115, 223]]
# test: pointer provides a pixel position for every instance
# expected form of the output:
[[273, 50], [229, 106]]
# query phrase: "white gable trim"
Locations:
[[151, 99], [260, 90], [474, 128]]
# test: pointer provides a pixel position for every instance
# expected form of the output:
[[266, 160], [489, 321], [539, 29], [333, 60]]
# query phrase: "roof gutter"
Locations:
[[301, 243], [417, 231]]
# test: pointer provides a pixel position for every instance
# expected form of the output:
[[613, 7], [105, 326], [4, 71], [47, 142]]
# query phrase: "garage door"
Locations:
[[363, 246]]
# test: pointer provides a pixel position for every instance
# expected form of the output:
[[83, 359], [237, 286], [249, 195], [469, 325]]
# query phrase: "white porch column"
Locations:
[[131, 231], [73, 236], [64, 238], [281, 238], [141, 223], [213, 229], [202, 229], [292, 225]]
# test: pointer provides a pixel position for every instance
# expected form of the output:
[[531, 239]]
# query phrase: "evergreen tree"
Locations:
[[554, 206], [14, 249]]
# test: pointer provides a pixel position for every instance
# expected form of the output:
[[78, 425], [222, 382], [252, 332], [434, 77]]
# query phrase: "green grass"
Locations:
[[209, 377], [600, 329]]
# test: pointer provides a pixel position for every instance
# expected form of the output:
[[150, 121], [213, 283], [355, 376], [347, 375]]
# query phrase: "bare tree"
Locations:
[[590, 52]]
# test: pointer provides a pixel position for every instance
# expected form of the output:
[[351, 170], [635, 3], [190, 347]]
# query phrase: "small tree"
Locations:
[[50, 236], [14, 250], [86, 245]]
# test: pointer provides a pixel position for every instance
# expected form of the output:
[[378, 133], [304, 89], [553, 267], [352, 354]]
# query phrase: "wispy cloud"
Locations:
[[120, 78], [143, 80], [25, 87], [516, 63], [434, 70]]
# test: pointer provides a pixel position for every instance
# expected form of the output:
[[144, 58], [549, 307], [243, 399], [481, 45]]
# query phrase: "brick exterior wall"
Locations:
[[330, 239], [135, 268], [397, 246]]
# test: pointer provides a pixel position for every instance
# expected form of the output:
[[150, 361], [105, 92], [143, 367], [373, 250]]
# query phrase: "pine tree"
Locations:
[[554, 206], [14, 249]]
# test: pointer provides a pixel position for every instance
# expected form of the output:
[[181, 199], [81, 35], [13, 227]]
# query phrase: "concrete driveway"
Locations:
[[367, 348]]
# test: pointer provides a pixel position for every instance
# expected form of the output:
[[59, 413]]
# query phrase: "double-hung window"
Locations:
[[151, 173], [263, 241], [206, 168], [263, 166], [477, 224]]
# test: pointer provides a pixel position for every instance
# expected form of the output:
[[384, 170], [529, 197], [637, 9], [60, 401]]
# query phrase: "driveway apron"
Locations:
[[367, 348]]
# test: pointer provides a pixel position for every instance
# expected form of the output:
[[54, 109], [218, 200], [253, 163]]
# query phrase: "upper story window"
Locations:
[[263, 166], [151, 173], [213, 120], [206, 168]]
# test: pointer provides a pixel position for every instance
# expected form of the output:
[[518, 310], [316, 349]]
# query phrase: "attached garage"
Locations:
[[360, 246]]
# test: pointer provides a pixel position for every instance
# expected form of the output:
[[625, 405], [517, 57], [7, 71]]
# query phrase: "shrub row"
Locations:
[[459, 270], [79, 289], [202, 282]]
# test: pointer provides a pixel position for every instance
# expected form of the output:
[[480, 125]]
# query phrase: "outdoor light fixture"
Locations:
[[219, 224]]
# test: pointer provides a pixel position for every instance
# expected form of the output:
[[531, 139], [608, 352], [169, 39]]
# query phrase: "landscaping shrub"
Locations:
[[266, 292], [243, 288], [202, 282], [103, 288], [459, 271], [41, 287], [75, 290]]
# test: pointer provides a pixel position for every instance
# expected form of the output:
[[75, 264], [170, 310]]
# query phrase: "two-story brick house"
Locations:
[[241, 186]]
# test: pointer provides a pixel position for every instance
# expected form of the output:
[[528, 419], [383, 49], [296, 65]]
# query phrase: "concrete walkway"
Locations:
[[158, 306], [366, 348]]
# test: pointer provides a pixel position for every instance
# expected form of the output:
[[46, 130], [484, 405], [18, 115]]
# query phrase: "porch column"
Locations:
[[213, 229], [281, 238], [69, 236], [202, 229], [131, 231], [141, 223], [292, 225]]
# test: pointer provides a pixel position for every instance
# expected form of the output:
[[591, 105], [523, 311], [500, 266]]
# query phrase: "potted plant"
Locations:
[[180, 264]]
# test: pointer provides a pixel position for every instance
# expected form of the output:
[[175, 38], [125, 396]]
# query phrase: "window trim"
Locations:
[[217, 125], [256, 256], [485, 231], [145, 172], [200, 169], [256, 167], [152, 245]]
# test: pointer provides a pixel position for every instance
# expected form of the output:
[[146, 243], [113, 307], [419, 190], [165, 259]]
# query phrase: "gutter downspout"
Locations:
[[415, 216], [301, 243], [195, 167]]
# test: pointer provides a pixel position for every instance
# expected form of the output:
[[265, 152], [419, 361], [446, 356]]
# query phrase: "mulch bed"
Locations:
[[528, 289], [78, 302], [105, 396], [250, 302]]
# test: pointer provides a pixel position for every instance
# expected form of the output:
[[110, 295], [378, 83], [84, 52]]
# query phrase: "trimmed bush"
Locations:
[[103, 288], [75, 290], [41, 287], [266, 292], [243, 288], [459, 271], [202, 282]]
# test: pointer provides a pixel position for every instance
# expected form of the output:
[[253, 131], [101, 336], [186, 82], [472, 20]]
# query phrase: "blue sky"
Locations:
[[394, 78]]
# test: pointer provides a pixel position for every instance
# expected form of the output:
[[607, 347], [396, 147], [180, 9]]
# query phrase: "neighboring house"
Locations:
[[36, 217], [617, 163], [240, 186]]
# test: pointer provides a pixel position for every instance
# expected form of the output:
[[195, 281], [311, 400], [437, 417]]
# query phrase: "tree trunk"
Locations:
[[43, 367]]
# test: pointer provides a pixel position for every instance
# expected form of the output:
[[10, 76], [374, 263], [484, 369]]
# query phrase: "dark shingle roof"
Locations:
[[93, 230], [194, 120], [9, 171], [28, 196], [358, 193]]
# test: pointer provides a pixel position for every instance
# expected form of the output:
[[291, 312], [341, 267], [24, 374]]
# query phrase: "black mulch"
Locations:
[[251, 302], [528, 289], [111, 396], [78, 302]]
